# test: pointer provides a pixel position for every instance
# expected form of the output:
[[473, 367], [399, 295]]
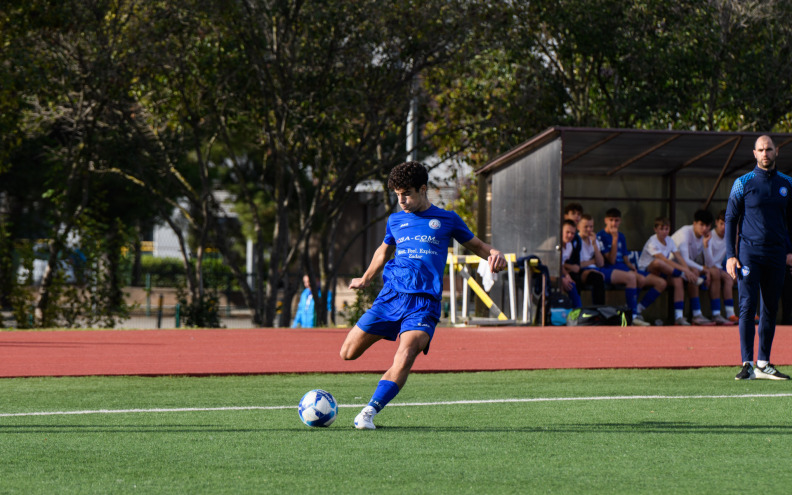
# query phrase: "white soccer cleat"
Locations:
[[769, 372], [365, 420], [720, 320]]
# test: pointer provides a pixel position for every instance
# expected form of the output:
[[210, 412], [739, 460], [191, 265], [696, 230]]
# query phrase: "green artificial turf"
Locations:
[[596, 440]]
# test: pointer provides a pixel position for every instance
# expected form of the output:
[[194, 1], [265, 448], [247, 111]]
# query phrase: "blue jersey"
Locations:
[[421, 241], [305, 310], [756, 211], [606, 243]]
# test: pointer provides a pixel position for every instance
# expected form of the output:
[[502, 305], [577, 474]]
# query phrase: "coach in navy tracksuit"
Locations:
[[757, 213]]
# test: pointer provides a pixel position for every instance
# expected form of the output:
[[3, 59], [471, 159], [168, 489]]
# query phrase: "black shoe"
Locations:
[[746, 373], [770, 373]]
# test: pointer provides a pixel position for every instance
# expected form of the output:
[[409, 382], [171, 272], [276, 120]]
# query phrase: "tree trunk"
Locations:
[[41, 311]]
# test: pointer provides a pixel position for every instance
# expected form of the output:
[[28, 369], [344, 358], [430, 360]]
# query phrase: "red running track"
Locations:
[[277, 350]]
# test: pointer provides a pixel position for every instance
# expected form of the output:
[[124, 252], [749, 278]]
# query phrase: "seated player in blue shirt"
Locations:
[[408, 307], [619, 270]]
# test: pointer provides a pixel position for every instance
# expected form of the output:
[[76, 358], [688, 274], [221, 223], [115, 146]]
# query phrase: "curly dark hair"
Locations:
[[408, 174]]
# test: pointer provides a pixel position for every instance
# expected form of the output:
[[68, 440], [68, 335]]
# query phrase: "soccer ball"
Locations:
[[318, 408]]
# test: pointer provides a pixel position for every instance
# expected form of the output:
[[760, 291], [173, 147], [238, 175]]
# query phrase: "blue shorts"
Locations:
[[395, 312]]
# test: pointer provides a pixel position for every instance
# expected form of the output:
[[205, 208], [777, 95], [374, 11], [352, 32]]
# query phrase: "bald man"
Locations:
[[756, 213]]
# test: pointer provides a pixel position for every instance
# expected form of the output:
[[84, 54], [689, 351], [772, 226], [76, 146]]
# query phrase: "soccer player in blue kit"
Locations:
[[409, 304], [756, 212]]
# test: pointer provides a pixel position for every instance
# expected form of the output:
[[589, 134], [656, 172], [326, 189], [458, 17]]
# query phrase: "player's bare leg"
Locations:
[[624, 278], [356, 343], [715, 281], [411, 344]]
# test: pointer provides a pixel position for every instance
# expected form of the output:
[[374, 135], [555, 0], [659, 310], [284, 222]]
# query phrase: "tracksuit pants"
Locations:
[[760, 276]]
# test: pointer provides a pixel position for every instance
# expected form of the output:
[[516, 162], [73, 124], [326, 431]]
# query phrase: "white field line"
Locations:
[[396, 404]]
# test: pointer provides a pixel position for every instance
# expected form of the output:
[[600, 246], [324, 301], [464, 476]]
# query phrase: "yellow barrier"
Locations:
[[458, 264]]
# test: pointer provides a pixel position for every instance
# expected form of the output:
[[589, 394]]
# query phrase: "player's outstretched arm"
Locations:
[[381, 255], [497, 261]]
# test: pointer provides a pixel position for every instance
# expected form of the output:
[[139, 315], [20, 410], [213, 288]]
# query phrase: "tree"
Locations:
[[71, 120], [716, 65], [331, 92]]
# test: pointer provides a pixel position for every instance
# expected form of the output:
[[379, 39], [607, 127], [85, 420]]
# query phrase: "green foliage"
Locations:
[[466, 202], [163, 272], [21, 291], [7, 268], [126, 111], [81, 293], [609, 63], [169, 272], [200, 312], [364, 298]]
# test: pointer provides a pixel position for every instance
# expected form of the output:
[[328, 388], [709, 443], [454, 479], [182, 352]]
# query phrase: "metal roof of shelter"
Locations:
[[609, 152]]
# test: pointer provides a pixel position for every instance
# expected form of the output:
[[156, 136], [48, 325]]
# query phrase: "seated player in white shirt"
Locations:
[[661, 257], [591, 260], [690, 241], [715, 243]]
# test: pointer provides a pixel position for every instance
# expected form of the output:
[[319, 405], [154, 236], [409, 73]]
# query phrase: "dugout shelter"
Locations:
[[644, 173]]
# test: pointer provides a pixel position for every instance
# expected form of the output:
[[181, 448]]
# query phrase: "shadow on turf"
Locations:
[[669, 427], [642, 427], [22, 429]]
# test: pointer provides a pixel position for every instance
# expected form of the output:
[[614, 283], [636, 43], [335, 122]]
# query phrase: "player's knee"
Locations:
[[347, 353]]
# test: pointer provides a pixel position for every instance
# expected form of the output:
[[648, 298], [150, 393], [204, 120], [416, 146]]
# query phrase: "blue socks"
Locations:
[[695, 306], [715, 304], [574, 296], [386, 390], [631, 298], [649, 297], [679, 309]]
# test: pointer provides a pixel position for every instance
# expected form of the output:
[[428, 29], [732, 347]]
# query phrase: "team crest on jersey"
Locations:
[[745, 271], [783, 191], [434, 223]]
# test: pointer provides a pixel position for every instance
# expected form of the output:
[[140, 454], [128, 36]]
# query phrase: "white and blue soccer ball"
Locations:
[[318, 408]]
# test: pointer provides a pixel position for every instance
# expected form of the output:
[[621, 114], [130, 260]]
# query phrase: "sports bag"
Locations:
[[559, 306], [600, 315]]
